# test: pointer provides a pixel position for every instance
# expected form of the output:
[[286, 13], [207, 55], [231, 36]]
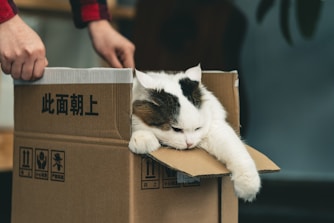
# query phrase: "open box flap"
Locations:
[[199, 163]]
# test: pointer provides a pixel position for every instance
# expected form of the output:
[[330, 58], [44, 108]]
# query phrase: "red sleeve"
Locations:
[[85, 11], [7, 10]]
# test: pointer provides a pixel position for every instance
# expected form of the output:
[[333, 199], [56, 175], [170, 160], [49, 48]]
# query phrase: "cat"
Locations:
[[176, 110]]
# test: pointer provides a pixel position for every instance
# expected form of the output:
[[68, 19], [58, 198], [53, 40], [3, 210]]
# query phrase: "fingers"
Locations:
[[122, 58], [16, 69], [128, 62], [114, 48], [25, 70], [39, 68], [22, 52], [127, 57], [6, 67], [34, 70], [114, 61]]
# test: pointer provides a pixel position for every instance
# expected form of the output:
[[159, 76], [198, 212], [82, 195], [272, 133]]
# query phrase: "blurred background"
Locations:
[[283, 51]]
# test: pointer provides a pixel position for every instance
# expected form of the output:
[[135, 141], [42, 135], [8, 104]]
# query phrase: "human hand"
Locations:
[[111, 45], [22, 52]]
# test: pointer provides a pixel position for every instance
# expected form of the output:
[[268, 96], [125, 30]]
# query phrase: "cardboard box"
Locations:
[[72, 162]]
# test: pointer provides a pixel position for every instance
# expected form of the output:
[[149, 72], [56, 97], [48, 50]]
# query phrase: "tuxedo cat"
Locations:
[[176, 110]]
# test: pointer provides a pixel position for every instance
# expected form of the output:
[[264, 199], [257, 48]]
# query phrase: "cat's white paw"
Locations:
[[142, 142], [247, 184]]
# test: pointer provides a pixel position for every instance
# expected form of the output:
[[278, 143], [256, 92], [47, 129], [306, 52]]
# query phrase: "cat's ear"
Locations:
[[145, 80], [194, 73]]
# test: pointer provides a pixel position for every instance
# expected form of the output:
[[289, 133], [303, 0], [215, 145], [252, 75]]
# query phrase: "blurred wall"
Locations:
[[290, 92]]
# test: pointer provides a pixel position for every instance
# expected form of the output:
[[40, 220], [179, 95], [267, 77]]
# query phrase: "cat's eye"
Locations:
[[177, 129], [198, 128]]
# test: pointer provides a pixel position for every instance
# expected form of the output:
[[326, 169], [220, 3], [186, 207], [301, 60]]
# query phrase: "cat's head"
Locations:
[[172, 107]]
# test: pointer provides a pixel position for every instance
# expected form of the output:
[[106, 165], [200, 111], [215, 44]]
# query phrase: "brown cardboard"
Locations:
[[199, 163], [72, 162]]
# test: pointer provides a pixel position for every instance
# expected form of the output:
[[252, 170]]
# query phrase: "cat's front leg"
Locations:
[[143, 141], [247, 182], [227, 147]]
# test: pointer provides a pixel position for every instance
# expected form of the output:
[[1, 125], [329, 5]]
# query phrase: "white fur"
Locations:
[[205, 127]]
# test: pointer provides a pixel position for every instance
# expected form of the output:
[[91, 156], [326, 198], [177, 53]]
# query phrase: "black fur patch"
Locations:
[[191, 91], [160, 111]]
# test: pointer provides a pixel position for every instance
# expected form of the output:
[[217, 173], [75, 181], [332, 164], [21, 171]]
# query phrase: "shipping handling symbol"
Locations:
[[41, 160], [58, 160]]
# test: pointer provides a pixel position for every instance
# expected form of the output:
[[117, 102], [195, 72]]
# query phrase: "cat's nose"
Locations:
[[189, 144]]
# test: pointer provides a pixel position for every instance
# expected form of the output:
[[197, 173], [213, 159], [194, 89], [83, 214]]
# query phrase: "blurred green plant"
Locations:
[[307, 15]]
